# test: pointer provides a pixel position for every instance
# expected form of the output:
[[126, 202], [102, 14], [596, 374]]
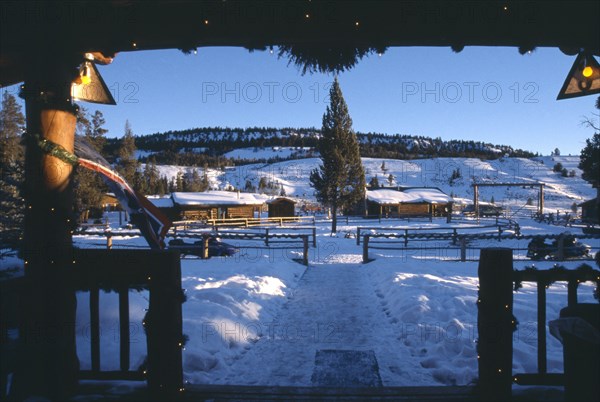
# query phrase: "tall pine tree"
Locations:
[[89, 187], [340, 181], [127, 164], [12, 159]]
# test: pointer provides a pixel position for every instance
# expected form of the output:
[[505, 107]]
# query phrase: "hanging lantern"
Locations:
[[90, 87], [583, 79]]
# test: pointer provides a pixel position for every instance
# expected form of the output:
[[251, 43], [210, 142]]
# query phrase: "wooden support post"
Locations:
[[305, 250], [266, 236], [165, 341], [495, 323], [124, 328], [541, 326], [454, 236], [314, 236], [109, 242], [366, 249], [48, 363], [358, 235], [405, 237], [95, 328]]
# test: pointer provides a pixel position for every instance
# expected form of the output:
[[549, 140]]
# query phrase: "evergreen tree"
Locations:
[[89, 186], [97, 133], [340, 181], [262, 183], [590, 161], [127, 165], [374, 182], [12, 162], [391, 179], [152, 180]]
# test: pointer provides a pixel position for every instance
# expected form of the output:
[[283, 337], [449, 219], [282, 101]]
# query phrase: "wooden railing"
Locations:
[[496, 322], [159, 272], [459, 242], [121, 270], [242, 222], [291, 240], [265, 235]]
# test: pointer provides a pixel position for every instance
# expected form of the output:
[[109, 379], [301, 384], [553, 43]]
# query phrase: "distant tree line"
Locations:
[[207, 146]]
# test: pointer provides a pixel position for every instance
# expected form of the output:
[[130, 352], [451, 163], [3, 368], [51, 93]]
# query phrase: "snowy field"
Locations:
[[293, 175], [259, 317]]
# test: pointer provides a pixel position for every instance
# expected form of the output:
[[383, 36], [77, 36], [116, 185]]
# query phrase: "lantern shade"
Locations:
[[94, 89], [580, 83]]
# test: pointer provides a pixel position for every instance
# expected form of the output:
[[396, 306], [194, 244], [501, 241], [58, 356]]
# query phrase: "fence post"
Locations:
[[314, 233], [406, 238], [499, 233], [366, 249], [495, 323], [560, 253], [305, 250], [463, 249], [266, 236], [358, 235], [109, 242], [205, 246], [454, 236]]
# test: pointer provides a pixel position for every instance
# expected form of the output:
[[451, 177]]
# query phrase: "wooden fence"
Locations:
[[290, 241], [240, 222], [120, 271], [496, 322], [459, 242], [266, 235]]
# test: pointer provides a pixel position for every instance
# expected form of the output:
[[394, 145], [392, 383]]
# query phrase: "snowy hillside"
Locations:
[[293, 176]]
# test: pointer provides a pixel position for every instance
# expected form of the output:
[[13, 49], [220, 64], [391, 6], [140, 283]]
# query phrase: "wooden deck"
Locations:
[[229, 393]]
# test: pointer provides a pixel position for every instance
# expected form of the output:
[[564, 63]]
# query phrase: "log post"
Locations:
[[366, 249], [305, 250], [163, 329], [314, 235], [48, 363], [205, 253], [495, 323]]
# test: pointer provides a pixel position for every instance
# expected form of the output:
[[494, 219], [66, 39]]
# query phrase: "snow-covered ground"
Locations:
[[260, 317]]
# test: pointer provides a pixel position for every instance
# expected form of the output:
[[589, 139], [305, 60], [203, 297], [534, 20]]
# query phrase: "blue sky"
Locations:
[[487, 94]]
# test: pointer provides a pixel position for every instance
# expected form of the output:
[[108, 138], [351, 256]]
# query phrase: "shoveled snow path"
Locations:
[[335, 306]]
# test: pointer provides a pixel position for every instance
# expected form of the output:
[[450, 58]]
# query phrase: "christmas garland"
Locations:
[[56, 150]]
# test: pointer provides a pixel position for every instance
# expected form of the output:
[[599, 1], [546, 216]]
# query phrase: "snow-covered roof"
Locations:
[[218, 198], [161, 201], [409, 195]]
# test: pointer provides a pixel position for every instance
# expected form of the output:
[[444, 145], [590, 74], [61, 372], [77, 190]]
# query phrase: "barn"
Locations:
[[216, 205], [408, 202], [281, 207]]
